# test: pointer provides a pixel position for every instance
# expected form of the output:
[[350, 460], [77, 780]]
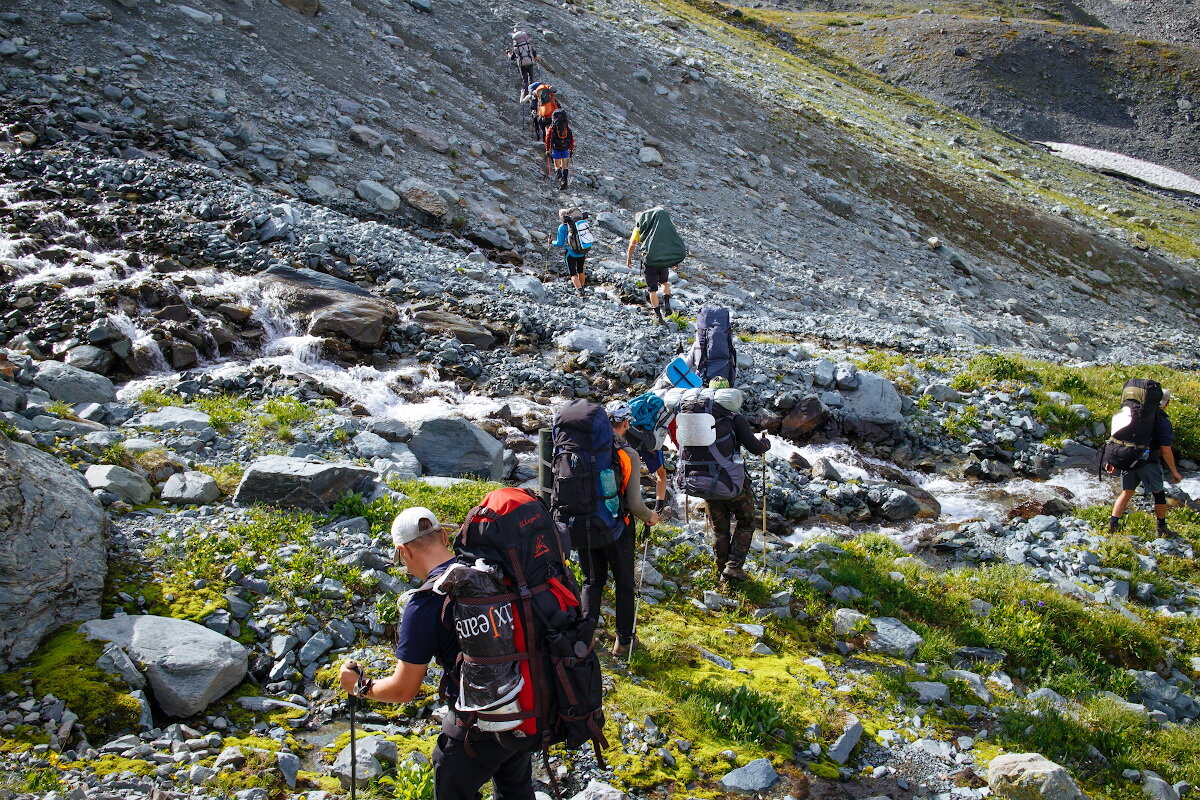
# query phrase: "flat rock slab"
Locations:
[[287, 482], [72, 384], [454, 447], [188, 665], [173, 418]]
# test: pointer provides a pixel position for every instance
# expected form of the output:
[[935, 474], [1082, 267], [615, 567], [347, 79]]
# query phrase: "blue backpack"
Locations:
[[647, 428], [586, 496]]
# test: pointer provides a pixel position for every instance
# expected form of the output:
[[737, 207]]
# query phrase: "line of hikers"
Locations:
[[499, 607], [654, 237]]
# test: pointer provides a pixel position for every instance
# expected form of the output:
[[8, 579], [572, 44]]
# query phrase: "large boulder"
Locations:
[[455, 447], [875, 400], [804, 419], [1031, 776], [893, 637], [72, 384], [288, 482], [187, 665], [332, 306], [420, 195], [53, 549]]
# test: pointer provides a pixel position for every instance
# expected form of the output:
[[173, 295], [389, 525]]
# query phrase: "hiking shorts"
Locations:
[[653, 460], [1149, 476], [560, 153], [655, 276], [575, 264]]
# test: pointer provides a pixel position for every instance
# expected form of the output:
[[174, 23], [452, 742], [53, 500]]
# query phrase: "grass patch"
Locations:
[[65, 666], [227, 476]]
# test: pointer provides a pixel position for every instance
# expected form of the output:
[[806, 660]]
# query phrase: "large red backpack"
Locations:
[[535, 601]]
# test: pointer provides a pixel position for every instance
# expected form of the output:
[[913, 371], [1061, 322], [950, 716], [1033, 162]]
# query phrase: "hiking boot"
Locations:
[[666, 303], [1114, 524], [579, 291], [732, 572], [658, 313], [1163, 530], [623, 646]]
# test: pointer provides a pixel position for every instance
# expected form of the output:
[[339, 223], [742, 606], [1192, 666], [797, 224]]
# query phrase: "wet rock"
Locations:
[[72, 384], [54, 560], [295, 483], [90, 358], [804, 419], [187, 665], [455, 447], [462, 329], [333, 305], [1031, 776]]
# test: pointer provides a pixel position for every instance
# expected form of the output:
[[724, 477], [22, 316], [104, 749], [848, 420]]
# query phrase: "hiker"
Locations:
[[1148, 472], [524, 55], [662, 250], [560, 146], [710, 430], [617, 557], [575, 238], [460, 769], [543, 101], [653, 461]]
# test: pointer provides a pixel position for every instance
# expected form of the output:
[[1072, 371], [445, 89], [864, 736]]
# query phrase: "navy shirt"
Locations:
[[423, 637], [1164, 435]]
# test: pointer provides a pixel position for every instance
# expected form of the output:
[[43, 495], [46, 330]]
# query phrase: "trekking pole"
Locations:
[[764, 513], [637, 600], [352, 702]]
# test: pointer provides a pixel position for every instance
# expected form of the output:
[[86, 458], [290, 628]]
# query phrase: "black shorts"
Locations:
[[575, 264], [656, 275]]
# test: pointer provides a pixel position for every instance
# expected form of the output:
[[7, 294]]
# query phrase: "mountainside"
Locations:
[[272, 272]]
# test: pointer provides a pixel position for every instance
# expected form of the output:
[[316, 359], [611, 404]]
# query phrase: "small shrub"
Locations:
[[154, 399], [413, 781], [227, 476], [225, 410], [741, 714], [289, 411]]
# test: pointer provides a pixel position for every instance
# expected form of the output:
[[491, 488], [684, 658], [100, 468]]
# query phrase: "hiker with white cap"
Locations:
[[423, 546]]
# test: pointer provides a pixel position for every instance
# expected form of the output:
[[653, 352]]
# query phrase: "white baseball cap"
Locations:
[[407, 525]]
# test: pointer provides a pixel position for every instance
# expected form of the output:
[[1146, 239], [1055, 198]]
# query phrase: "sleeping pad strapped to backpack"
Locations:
[[587, 496], [713, 354], [710, 462], [662, 246], [648, 426], [527, 663], [1133, 426]]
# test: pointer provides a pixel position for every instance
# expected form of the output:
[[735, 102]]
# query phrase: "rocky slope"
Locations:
[[252, 256]]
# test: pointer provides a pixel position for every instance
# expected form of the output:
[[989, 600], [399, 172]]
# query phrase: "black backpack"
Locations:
[[535, 603], [586, 496], [1133, 426], [713, 353]]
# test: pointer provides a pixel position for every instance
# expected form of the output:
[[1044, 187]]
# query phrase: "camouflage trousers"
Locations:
[[731, 546]]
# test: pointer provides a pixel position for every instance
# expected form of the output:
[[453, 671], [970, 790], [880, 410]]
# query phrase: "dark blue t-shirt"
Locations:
[[423, 637], [1164, 435]]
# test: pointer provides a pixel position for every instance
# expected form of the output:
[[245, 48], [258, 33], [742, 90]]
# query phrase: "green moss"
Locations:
[[227, 476], [824, 769], [115, 765], [65, 666]]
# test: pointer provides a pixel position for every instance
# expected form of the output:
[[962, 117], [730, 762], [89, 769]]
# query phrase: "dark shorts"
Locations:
[[560, 153], [655, 276], [575, 264], [1148, 475], [653, 459]]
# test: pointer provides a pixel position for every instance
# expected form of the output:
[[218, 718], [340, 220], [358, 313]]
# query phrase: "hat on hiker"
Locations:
[[413, 523], [618, 411]]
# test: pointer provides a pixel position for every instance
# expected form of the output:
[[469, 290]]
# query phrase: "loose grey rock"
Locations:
[[1031, 776], [598, 790], [124, 483], [757, 776], [845, 744], [188, 665], [893, 637], [930, 691], [593, 340], [170, 418], [377, 195], [115, 662]]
